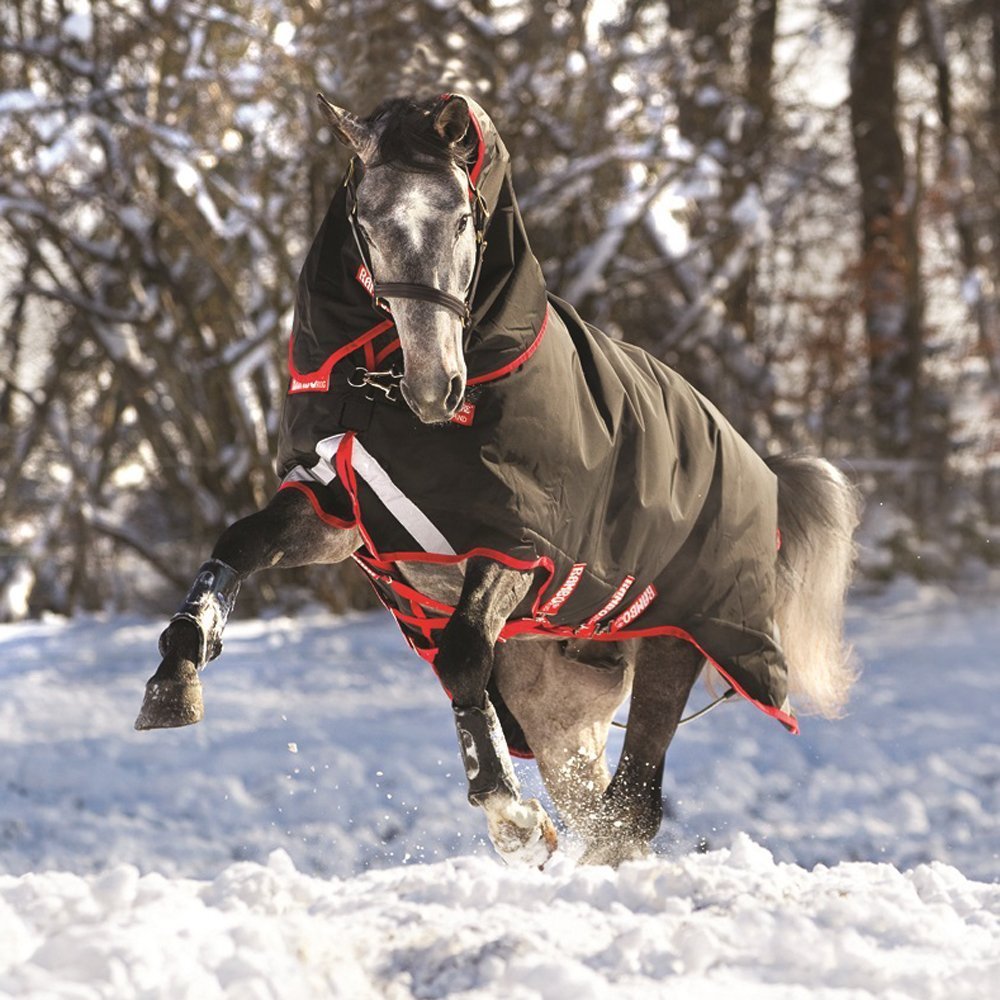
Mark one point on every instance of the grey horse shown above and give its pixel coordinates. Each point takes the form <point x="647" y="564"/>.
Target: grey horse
<point x="507" y="579"/>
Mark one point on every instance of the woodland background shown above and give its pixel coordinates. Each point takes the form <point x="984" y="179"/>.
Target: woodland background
<point x="794" y="202"/>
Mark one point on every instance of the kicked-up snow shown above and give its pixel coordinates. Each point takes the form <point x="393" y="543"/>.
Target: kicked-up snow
<point x="311" y="837"/>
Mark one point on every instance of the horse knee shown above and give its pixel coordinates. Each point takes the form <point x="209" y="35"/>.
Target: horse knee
<point x="464" y="663"/>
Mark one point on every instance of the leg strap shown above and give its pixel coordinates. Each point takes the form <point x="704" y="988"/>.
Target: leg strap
<point x="484" y="754"/>
<point x="208" y="606"/>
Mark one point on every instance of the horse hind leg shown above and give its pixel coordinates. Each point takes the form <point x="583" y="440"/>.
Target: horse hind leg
<point x="631" y="808"/>
<point x="564" y="702"/>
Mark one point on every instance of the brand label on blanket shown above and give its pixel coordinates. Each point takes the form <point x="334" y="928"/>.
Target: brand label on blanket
<point x="635" y="609"/>
<point x="366" y="279"/>
<point x="616" y="598"/>
<point x="465" y="414"/>
<point x="321" y="384"/>
<point x="563" y="594"/>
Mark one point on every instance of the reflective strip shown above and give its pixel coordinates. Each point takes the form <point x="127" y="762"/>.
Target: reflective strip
<point x="409" y="515"/>
<point x="323" y="471"/>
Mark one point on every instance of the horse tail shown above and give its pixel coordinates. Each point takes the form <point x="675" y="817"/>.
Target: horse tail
<point x="818" y="511"/>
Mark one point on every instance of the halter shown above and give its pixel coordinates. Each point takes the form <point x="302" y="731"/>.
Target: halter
<point x="462" y="308"/>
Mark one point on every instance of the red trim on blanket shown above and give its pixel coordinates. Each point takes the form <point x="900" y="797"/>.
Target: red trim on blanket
<point x="416" y="597"/>
<point x="518" y="361"/>
<point x="319" y="380"/>
<point x="307" y="491"/>
<point x="389" y="349"/>
<point x="481" y="147"/>
<point x="788" y="721"/>
<point x="480" y="150"/>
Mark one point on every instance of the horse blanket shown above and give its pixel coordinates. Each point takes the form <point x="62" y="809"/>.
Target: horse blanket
<point x="637" y="506"/>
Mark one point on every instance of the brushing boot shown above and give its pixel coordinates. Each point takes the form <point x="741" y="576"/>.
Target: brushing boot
<point x="193" y="638"/>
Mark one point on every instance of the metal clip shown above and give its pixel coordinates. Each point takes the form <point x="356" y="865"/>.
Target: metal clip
<point x="386" y="382"/>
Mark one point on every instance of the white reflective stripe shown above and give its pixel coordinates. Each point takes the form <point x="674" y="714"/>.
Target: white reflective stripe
<point x="298" y="475"/>
<point x="409" y="515"/>
<point x="324" y="471"/>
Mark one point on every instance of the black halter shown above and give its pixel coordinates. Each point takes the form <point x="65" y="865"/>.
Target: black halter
<point x="410" y="290"/>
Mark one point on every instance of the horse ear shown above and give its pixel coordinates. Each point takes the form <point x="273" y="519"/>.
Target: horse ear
<point x="452" y="120"/>
<point x="347" y="128"/>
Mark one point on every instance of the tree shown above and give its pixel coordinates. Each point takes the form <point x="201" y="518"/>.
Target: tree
<point x="890" y="267"/>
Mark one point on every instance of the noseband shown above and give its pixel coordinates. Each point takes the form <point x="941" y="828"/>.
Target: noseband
<point x="462" y="308"/>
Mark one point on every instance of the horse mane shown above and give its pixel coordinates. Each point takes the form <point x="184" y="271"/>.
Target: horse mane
<point x="407" y="137"/>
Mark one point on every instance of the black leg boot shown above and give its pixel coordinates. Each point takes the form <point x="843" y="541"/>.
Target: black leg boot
<point x="484" y="754"/>
<point x="193" y="638"/>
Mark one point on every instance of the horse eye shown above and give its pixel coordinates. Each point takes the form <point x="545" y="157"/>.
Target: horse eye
<point x="462" y="223"/>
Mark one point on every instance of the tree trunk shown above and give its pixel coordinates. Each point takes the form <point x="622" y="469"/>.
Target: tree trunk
<point x="889" y="266"/>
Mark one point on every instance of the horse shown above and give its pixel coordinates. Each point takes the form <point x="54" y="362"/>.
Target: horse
<point x="557" y="521"/>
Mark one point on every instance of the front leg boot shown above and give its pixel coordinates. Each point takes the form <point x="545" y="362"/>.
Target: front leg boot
<point x="194" y="637"/>
<point x="522" y="832"/>
<point x="484" y="754"/>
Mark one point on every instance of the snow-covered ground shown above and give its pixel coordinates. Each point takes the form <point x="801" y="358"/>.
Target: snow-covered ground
<point x="311" y="837"/>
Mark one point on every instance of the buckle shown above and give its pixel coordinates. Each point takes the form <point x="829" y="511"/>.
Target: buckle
<point x="386" y="382"/>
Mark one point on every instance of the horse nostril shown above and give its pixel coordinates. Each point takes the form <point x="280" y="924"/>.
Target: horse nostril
<point x="456" y="389"/>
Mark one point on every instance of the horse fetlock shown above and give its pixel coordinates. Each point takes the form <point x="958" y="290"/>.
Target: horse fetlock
<point x="172" y="698"/>
<point x="522" y="832"/>
<point x="193" y="637"/>
<point x="207" y="607"/>
<point x="485" y="757"/>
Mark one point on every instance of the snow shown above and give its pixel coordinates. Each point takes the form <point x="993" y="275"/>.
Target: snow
<point x="311" y="836"/>
<point x="21" y="101"/>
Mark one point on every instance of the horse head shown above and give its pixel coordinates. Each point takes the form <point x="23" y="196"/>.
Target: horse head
<point x="414" y="219"/>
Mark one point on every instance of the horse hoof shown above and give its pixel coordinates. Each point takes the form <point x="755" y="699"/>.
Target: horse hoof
<point x="614" y="852"/>
<point x="523" y="834"/>
<point x="171" y="702"/>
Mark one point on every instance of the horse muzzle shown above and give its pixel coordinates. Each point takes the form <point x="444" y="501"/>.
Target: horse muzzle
<point x="439" y="404"/>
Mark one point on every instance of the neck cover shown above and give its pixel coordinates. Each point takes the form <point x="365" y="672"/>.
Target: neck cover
<point x="638" y="507"/>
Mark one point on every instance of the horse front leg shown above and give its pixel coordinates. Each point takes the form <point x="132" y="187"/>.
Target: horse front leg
<point x="631" y="809"/>
<point x="521" y="832"/>
<point x="286" y="533"/>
